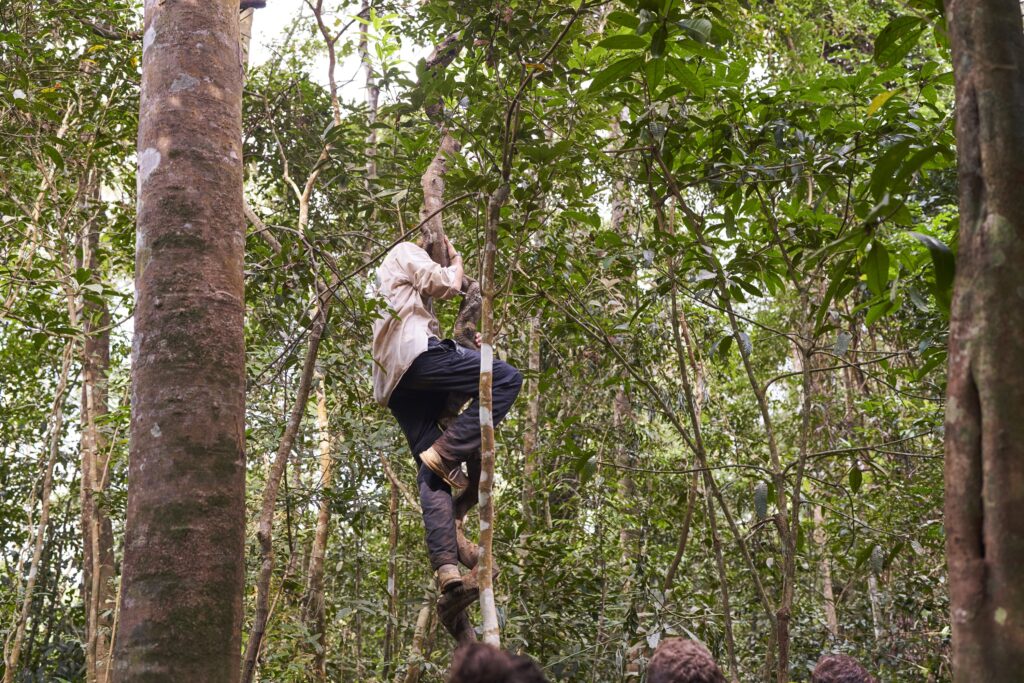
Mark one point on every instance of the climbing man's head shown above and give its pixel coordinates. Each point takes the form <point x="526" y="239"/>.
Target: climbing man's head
<point x="840" y="669"/>
<point x="678" y="660"/>
<point x="479" y="663"/>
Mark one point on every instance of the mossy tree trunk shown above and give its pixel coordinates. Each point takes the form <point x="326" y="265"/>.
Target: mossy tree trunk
<point x="181" y="603"/>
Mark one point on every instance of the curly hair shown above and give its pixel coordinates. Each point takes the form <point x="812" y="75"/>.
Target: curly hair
<point x="679" y="660"/>
<point x="480" y="663"/>
<point x="840" y="669"/>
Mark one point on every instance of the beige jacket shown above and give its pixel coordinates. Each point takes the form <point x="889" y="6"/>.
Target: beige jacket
<point x="407" y="280"/>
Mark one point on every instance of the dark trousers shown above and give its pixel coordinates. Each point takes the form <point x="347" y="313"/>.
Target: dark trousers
<point x="417" y="404"/>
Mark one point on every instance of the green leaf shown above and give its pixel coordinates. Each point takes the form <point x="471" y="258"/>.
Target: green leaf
<point x="856" y="478"/>
<point x="876" y="267"/>
<point x="897" y="39"/>
<point x="722" y="347"/>
<point x="610" y="74"/>
<point x="684" y="75"/>
<point x="658" y="41"/>
<point x="698" y="29"/>
<point x="878" y="310"/>
<point x="620" y="18"/>
<point x="944" y="264"/>
<point x="55" y="157"/>
<point x="625" y="41"/>
<point x="655" y="72"/>
<point x="885" y="168"/>
<point x="915" y="162"/>
<point x="862" y="556"/>
<point x="839" y="275"/>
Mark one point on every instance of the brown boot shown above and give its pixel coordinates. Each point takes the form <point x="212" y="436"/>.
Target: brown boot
<point x="448" y="577"/>
<point x="448" y="469"/>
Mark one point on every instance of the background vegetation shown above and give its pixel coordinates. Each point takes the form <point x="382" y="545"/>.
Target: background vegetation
<point x="724" y="267"/>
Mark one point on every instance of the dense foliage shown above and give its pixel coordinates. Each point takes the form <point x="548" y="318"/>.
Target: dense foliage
<point x="729" y="235"/>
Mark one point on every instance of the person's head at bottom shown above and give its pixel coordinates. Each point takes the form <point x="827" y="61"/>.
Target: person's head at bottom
<point x="679" y="660"/>
<point x="480" y="663"/>
<point x="840" y="669"/>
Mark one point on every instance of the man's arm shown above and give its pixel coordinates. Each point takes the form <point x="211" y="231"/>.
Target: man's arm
<point x="428" y="277"/>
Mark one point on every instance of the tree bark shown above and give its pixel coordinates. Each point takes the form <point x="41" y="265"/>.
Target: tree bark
<point x="827" y="592"/>
<point x="391" y="631"/>
<point x="984" y="431"/>
<point x="97" y="532"/>
<point x="372" y="96"/>
<point x="622" y="420"/>
<point x="314" y="602"/>
<point x="876" y="609"/>
<point x="684" y="535"/>
<point x="723" y="581"/>
<point x="184" y="563"/>
<point x="488" y="610"/>
<point x="532" y="431"/>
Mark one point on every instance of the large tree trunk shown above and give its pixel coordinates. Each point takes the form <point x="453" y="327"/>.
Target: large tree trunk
<point x="181" y="608"/>
<point x="984" y="429"/>
<point x="97" y="532"/>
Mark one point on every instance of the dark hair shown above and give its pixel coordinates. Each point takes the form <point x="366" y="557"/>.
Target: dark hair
<point x="840" y="669"/>
<point x="480" y="663"/>
<point x="678" y="660"/>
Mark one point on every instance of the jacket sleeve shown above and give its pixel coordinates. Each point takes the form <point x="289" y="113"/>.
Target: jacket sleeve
<point x="428" y="277"/>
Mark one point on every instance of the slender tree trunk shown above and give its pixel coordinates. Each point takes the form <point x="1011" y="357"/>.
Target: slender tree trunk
<point x="827" y="592"/>
<point x="723" y="581"/>
<point x="622" y="418"/>
<point x="984" y="430"/>
<point x="372" y="96"/>
<point x="488" y="610"/>
<point x="426" y="621"/>
<point x="97" y="532"/>
<point x="684" y="535"/>
<point x="532" y="431"/>
<point x="184" y="566"/>
<point x="16" y="639"/>
<point x="391" y="632"/>
<point x="314" y="607"/>
<point x="358" y="617"/>
<point x="876" y="608"/>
